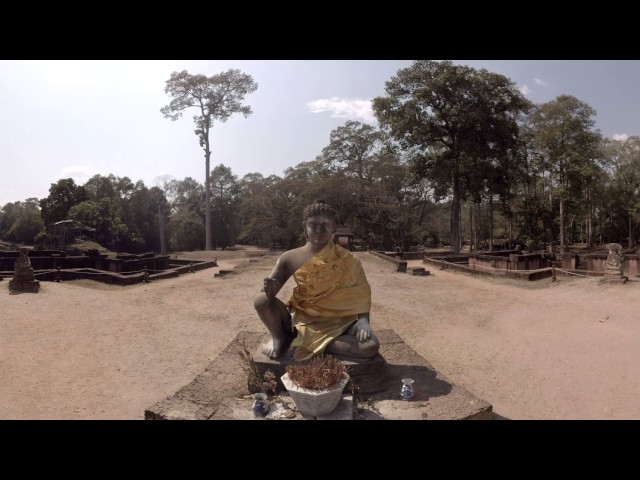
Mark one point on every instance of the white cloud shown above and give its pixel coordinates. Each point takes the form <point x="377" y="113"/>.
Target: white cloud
<point x="540" y="82"/>
<point x="80" y="174"/>
<point x="525" y="90"/>
<point x="353" y="109"/>
<point x="621" y="137"/>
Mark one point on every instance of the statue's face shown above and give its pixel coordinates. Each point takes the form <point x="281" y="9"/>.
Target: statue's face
<point x="319" y="229"/>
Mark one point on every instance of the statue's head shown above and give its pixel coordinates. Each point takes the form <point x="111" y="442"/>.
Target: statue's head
<point x="319" y="207"/>
<point x="319" y="222"/>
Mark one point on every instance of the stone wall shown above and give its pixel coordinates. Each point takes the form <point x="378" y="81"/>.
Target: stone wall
<point x="512" y="261"/>
<point x="400" y="265"/>
<point x="597" y="263"/>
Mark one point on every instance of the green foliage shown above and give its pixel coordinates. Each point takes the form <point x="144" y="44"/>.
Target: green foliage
<point x="185" y="231"/>
<point x="566" y="146"/>
<point x="27" y="225"/>
<point x="62" y="196"/>
<point x="458" y="125"/>
<point x="224" y="198"/>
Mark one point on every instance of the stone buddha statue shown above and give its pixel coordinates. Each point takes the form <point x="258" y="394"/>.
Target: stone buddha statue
<point x="328" y="310"/>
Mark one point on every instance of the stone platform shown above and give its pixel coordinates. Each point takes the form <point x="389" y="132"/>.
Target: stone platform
<point x="221" y="392"/>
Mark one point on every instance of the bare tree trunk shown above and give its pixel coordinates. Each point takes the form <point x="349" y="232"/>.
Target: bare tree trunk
<point x="471" y="227"/>
<point x="455" y="217"/>
<point x="491" y="220"/>
<point x="561" y="225"/>
<point x="551" y="225"/>
<point x="163" y="238"/>
<point x="478" y="228"/>
<point x="589" y="218"/>
<point x="207" y="199"/>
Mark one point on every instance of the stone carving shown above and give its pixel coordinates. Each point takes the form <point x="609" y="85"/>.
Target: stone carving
<point x="23" y="278"/>
<point x="614" y="265"/>
<point x="328" y="310"/>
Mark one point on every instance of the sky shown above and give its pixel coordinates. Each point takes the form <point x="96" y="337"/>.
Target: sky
<point x="74" y="119"/>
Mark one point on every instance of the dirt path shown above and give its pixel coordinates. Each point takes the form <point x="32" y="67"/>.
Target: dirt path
<point x="540" y="350"/>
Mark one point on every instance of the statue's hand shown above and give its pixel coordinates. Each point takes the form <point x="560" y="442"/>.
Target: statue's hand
<point x="270" y="287"/>
<point x="362" y="329"/>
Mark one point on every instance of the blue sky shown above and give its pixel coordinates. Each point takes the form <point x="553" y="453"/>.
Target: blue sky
<point x="61" y="119"/>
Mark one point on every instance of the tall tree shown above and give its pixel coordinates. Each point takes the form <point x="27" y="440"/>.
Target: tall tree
<point x="623" y="161"/>
<point x="565" y="138"/>
<point x="216" y="98"/>
<point x="224" y="198"/>
<point x="451" y="119"/>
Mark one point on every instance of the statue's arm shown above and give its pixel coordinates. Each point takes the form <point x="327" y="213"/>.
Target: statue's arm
<point x="277" y="278"/>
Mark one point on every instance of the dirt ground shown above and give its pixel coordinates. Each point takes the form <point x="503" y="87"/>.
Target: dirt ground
<point x="568" y="349"/>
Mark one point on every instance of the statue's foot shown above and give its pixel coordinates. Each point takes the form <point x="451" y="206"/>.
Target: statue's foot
<point x="276" y="347"/>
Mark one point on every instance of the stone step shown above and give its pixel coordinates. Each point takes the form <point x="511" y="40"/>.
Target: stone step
<point x="418" y="271"/>
<point x="222" y="272"/>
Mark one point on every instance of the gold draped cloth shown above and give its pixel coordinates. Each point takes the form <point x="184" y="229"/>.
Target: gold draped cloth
<point x="331" y="290"/>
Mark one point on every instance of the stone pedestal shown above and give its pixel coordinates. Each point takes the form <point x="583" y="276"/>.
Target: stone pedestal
<point x="613" y="274"/>
<point x="220" y="392"/>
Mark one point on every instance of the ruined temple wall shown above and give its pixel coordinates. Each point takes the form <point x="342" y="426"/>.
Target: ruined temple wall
<point x="529" y="261"/>
<point x="597" y="263"/>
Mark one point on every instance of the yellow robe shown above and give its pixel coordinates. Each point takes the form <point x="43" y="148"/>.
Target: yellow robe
<point x="331" y="290"/>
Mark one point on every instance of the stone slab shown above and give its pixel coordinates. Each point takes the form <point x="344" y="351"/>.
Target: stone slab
<point x="221" y="392"/>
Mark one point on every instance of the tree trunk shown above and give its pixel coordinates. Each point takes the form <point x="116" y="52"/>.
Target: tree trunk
<point x="478" y="228"/>
<point x="455" y="217"/>
<point x="471" y="227"/>
<point x="589" y="219"/>
<point x="561" y="225"/>
<point x="550" y="233"/>
<point x="207" y="199"/>
<point x="163" y="239"/>
<point x="491" y="221"/>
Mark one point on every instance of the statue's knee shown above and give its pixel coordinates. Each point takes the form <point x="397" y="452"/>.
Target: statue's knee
<point x="260" y="302"/>
<point x="350" y="346"/>
<point x="371" y="347"/>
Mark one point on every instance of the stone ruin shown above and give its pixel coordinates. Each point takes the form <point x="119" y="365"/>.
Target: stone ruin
<point x="614" y="266"/>
<point x="23" y="278"/>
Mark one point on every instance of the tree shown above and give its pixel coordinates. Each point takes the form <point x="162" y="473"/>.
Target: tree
<point x="23" y="222"/>
<point x="62" y="196"/>
<point x="567" y="144"/>
<point x="9" y="213"/>
<point x="225" y="200"/>
<point x="623" y="161"/>
<point x="217" y="98"/>
<point x="103" y="215"/>
<point x="185" y="231"/>
<point x="452" y="120"/>
<point x="258" y="226"/>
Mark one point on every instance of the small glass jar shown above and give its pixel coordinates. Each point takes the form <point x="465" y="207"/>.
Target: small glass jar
<point x="407" y="388"/>
<point x="260" y="407"/>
